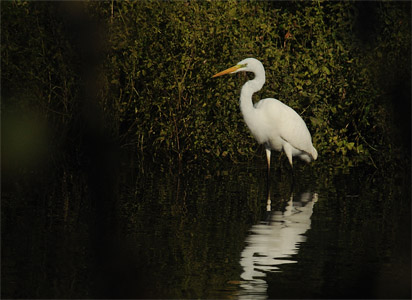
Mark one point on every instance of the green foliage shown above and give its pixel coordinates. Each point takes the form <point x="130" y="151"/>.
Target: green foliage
<point x="312" y="61"/>
<point x="163" y="101"/>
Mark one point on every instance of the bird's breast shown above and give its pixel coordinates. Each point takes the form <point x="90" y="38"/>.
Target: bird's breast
<point x="264" y="130"/>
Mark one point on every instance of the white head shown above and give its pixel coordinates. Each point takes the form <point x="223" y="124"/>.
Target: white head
<point x="246" y="65"/>
<point x="250" y="65"/>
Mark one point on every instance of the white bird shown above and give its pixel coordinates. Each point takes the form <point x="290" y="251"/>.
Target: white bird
<point x="271" y="122"/>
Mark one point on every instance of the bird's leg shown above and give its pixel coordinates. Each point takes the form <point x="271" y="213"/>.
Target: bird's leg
<point x="268" y="152"/>
<point x="293" y="175"/>
<point x="288" y="151"/>
<point x="268" y="203"/>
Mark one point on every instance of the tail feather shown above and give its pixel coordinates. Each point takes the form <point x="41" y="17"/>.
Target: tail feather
<point x="314" y="153"/>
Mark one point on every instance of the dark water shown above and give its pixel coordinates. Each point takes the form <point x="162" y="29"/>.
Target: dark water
<point x="154" y="233"/>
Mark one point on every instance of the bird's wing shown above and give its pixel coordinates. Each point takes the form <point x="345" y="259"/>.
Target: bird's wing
<point x="287" y="123"/>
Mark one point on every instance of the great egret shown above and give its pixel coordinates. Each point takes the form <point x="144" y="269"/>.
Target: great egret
<point x="271" y="122"/>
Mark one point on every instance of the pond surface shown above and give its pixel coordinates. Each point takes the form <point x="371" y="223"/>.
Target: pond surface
<point x="217" y="233"/>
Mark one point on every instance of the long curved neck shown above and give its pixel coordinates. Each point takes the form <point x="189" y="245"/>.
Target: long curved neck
<point x="248" y="89"/>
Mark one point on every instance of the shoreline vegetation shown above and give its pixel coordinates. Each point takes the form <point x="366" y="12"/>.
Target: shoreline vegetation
<point x="79" y="77"/>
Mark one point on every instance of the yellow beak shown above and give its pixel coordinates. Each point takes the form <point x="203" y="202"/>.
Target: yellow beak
<point x="227" y="71"/>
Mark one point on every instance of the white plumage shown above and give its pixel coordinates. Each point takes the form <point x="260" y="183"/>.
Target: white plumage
<point x="271" y="122"/>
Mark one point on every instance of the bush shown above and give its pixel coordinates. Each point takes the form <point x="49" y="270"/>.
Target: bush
<point x="159" y="94"/>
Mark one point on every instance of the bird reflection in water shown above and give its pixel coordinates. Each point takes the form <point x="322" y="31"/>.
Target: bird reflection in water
<point x="272" y="243"/>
